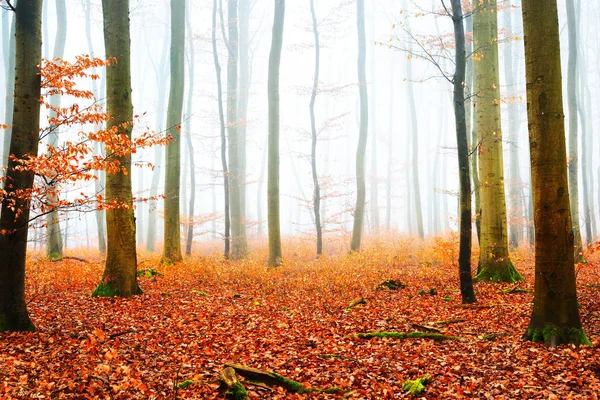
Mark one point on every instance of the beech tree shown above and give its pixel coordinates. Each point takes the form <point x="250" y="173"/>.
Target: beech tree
<point x="14" y="217"/>
<point x="120" y="270"/>
<point x="172" y="231"/>
<point x="494" y="260"/>
<point x="359" y="210"/>
<point x="274" y="225"/>
<point x="555" y="317"/>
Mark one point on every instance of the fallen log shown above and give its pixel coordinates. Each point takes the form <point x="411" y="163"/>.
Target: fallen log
<point x="235" y="388"/>
<point x="405" y="335"/>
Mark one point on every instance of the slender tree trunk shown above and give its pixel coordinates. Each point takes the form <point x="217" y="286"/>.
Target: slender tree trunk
<point x="275" y="254"/>
<point x="259" y="190"/>
<point x="313" y="127"/>
<point x="573" y="159"/>
<point x="244" y="97"/>
<point x="120" y="272"/>
<point x="374" y="175"/>
<point x="494" y="261"/>
<point x="14" y="220"/>
<point x="359" y="210"/>
<point x="226" y="185"/>
<point x="409" y="213"/>
<point x="555" y="318"/>
<point x="188" y="136"/>
<point x="54" y="240"/>
<point x="239" y="246"/>
<point x="9" y="98"/>
<point x="464" y="255"/>
<point x="390" y="145"/>
<point x="172" y="229"/>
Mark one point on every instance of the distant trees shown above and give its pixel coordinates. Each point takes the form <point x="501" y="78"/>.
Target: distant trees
<point x="274" y="225"/>
<point x="120" y="273"/>
<point x="555" y="318"/>
<point x="359" y="210"/>
<point x="172" y="230"/>
<point x="14" y="217"/>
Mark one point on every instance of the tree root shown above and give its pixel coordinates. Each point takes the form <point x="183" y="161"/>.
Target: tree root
<point x="235" y="388"/>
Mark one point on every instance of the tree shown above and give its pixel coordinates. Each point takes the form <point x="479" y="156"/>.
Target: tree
<point x="494" y="260"/>
<point x="555" y="317"/>
<point x="172" y="231"/>
<point x="275" y="254"/>
<point x="464" y="255"/>
<point x="54" y="242"/>
<point x="313" y="127"/>
<point x="14" y="217"/>
<point x="120" y="271"/>
<point x="188" y="136"/>
<point x="9" y="52"/>
<point x="222" y="129"/>
<point x="359" y="210"/>
<point x="239" y="246"/>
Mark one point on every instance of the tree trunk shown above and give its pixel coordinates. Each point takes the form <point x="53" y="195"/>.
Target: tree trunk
<point x="223" y="136"/>
<point x="374" y="206"/>
<point x="494" y="261"/>
<point x="275" y="254"/>
<point x="243" y="99"/>
<point x="172" y="229"/>
<point x="54" y="240"/>
<point x="464" y="255"/>
<point x="390" y="145"/>
<point x="573" y="159"/>
<point x="120" y="273"/>
<point x="14" y="220"/>
<point x="188" y="136"/>
<point x="555" y="317"/>
<point x="259" y="189"/>
<point x="359" y="210"/>
<point x="313" y="127"/>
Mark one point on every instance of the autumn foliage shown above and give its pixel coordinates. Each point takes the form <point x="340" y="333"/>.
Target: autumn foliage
<point x="295" y="320"/>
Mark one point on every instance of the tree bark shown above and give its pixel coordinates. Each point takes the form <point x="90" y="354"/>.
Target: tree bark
<point x="275" y="254"/>
<point x="244" y="97"/>
<point x="313" y="128"/>
<point x="188" y="136"/>
<point x="359" y="210"/>
<point x="9" y="101"/>
<point x="464" y="255"/>
<point x="223" y="136"/>
<point x="172" y="229"/>
<point x="120" y="271"/>
<point x="494" y="261"/>
<point x="14" y="220"/>
<point x="555" y="317"/>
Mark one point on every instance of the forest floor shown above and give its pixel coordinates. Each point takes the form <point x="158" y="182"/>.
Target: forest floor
<point x="173" y="341"/>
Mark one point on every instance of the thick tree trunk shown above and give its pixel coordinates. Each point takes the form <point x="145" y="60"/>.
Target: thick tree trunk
<point x="54" y="240"/>
<point x="172" y="229"/>
<point x="275" y="254"/>
<point x="120" y="273"/>
<point x="464" y="255"/>
<point x="494" y="261"/>
<point x="14" y="220"/>
<point x="555" y="317"/>
<point x="359" y="210"/>
<point x="222" y="129"/>
<point x="313" y="127"/>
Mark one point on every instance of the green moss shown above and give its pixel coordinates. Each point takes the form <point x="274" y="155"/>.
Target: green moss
<point x="237" y="392"/>
<point x="185" y="384"/>
<point x="500" y="272"/>
<point x="417" y="386"/>
<point x="105" y="289"/>
<point x="392" y="284"/>
<point x="554" y="335"/>
<point x="54" y="256"/>
<point x="148" y="273"/>
<point x="406" y="335"/>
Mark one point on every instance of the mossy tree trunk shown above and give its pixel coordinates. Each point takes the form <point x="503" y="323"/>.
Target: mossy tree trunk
<point x="120" y="271"/>
<point x="494" y="261"/>
<point x="275" y="254"/>
<point x="573" y="158"/>
<point x="464" y="254"/>
<point x="555" y="318"/>
<point x="172" y="229"/>
<point x="54" y="240"/>
<point x="359" y="209"/>
<point x="14" y="220"/>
